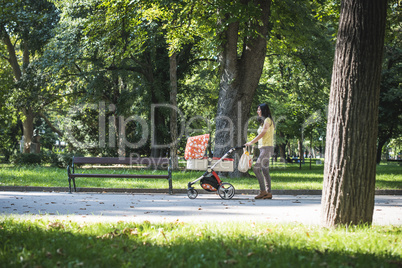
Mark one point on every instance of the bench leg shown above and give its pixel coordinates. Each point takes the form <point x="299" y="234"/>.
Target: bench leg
<point x="69" y="184"/>
<point x="75" y="188"/>
<point x="170" y="176"/>
<point x="170" y="186"/>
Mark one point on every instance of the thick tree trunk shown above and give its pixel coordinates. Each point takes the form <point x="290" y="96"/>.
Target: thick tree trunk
<point x="350" y="166"/>
<point x="239" y="80"/>
<point x="173" y="114"/>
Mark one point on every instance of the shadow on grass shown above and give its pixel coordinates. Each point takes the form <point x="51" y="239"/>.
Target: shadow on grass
<point x="67" y="244"/>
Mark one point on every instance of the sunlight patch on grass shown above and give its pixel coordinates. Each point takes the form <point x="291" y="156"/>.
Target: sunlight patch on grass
<point x="283" y="178"/>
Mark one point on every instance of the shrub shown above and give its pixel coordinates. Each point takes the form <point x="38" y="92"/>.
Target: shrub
<point x="61" y="160"/>
<point x="26" y="159"/>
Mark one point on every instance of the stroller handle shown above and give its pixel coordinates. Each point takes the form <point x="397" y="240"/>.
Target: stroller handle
<point x="239" y="147"/>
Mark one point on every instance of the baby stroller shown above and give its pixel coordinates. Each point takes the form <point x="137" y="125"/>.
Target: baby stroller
<point x="209" y="181"/>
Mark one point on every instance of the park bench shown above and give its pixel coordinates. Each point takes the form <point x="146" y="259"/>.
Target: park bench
<point x="395" y="160"/>
<point x="160" y="162"/>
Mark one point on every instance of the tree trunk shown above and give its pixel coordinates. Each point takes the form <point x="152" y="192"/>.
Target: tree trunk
<point x="281" y="146"/>
<point x="12" y="56"/>
<point x="350" y="166"/>
<point x="301" y="153"/>
<point x="380" y="145"/>
<point x="239" y="80"/>
<point x="173" y="114"/>
<point x="27" y="126"/>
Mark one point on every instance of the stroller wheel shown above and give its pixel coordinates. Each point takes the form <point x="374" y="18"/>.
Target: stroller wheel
<point x="192" y="193"/>
<point x="226" y="190"/>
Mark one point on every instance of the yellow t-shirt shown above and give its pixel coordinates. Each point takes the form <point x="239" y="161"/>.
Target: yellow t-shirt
<point x="268" y="138"/>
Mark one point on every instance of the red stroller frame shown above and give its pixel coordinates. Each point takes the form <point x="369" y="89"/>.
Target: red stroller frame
<point x="210" y="180"/>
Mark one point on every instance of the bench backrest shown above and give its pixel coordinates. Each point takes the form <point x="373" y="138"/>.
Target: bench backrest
<point x="149" y="161"/>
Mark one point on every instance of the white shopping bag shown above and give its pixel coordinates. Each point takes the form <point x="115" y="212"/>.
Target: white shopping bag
<point x="246" y="161"/>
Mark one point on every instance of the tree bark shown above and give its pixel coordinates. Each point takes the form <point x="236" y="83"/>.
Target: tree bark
<point x="27" y="125"/>
<point x="173" y="114"/>
<point x="301" y="152"/>
<point x="12" y="56"/>
<point x="350" y="166"/>
<point x="282" y="147"/>
<point x="380" y="145"/>
<point x="239" y="80"/>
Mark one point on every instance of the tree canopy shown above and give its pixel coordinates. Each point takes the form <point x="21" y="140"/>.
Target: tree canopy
<point x="96" y="74"/>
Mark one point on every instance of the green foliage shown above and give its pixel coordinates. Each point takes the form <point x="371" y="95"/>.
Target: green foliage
<point x="297" y="71"/>
<point x="55" y="159"/>
<point x="26" y="159"/>
<point x="60" y="160"/>
<point x="29" y="20"/>
<point x="117" y="52"/>
<point x="9" y="126"/>
<point x="390" y="107"/>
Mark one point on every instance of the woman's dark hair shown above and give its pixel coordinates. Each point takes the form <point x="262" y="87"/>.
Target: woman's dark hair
<point x="265" y="113"/>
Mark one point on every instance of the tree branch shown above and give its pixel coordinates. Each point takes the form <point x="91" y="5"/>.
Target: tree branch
<point x="55" y="129"/>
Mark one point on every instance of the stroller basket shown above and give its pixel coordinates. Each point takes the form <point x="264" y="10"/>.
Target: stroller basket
<point x="226" y="165"/>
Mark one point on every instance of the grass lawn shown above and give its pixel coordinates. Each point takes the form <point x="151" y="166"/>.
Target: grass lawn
<point x="284" y="177"/>
<point x="29" y="242"/>
<point x="44" y="243"/>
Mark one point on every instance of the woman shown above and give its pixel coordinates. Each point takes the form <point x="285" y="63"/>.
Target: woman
<point x="265" y="139"/>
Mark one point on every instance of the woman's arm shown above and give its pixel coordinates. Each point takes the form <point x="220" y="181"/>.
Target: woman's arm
<point x="259" y="136"/>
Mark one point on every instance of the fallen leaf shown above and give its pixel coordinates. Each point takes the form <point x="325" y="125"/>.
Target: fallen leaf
<point x="60" y="252"/>
<point x="230" y="261"/>
<point x="55" y="225"/>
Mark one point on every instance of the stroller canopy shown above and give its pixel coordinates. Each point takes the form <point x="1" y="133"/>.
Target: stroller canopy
<point x="196" y="147"/>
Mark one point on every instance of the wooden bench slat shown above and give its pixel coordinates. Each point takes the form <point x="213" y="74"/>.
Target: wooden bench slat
<point x="119" y="176"/>
<point x="122" y="161"/>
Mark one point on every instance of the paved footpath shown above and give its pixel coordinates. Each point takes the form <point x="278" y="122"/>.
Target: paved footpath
<point x="112" y="207"/>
